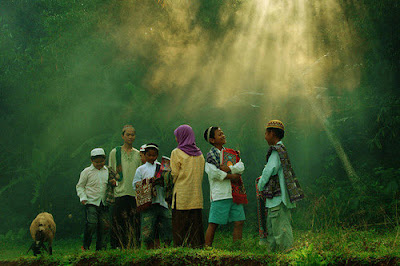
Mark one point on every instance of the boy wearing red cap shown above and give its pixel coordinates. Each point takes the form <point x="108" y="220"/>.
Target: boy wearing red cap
<point x="280" y="187"/>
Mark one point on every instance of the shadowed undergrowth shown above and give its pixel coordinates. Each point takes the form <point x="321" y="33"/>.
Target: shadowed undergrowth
<point x="329" y="247"/>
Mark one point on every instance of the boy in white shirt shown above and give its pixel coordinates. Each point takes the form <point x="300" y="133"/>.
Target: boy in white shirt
<point x="91" y="190"/>
<point x="223" y="209"/>
<point x="157" y="218"/>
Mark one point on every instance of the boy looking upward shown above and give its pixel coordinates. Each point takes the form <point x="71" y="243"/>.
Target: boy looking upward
<point x="281" y="188"/>
<point x="224" y="207"/>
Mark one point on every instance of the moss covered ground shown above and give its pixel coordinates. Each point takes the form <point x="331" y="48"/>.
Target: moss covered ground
<point x="334" y="247"/>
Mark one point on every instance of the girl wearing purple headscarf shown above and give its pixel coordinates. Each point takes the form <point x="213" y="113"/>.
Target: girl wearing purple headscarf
<point x="187" y="168"/>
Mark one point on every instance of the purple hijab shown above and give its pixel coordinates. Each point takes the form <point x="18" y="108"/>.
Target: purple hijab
<point x="186" y="140"/>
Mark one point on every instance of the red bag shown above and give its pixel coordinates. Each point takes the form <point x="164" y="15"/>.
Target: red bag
<point x="230" y="157"/>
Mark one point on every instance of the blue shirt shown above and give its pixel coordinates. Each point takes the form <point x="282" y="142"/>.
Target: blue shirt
<point x="272" y="168"/>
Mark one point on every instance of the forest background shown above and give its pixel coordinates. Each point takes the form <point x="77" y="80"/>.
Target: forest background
<point x="72" y="73"/>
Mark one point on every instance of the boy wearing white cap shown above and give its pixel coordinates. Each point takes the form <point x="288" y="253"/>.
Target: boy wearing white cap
<point x="91" y="190"/>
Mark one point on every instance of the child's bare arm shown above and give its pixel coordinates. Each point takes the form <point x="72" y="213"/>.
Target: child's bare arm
<point x="233" y="177"/>
<point x="225" y="168"/>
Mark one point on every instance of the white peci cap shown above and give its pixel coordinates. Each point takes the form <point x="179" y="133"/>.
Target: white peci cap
<point x="97" y="151"/>
<point x="143" y="148"/>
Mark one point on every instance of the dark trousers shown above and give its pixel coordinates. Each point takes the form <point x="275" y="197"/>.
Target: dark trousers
<point x="125" y="231"/>
<point x="187" y="228"/>
<point x="96" y="218"/>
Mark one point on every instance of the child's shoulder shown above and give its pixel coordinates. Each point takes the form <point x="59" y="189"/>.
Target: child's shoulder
<point x="279" y="147"/>
<point x="213" y="149"/>
<point x="87" y="169"/>
<point x="141" y="167"/>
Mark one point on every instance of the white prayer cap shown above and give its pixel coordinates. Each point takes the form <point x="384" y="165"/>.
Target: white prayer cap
<point x="97" y="151"/>
<point x="143" y="148"/>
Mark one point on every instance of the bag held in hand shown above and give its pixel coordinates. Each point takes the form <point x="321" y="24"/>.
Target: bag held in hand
<point x="230" y="157"/>
<point x="144" y="194"/>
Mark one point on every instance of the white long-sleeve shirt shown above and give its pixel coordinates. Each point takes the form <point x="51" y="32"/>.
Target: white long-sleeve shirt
<point x="92" y="185"/>
<point x="148" y="170"/>
<point x="221" y="188"/>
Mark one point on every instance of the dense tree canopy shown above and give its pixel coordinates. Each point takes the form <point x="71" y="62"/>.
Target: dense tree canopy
<point x="73" y="72"/>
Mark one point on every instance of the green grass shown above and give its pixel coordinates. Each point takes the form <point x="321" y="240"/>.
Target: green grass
<point x="329" y="247"/>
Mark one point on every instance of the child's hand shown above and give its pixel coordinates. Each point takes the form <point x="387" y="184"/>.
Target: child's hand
<point x="235" y="177"/>
<point x="119" y="168"/>
<point x="225" y="168"/>
<point x="83" y="202"/>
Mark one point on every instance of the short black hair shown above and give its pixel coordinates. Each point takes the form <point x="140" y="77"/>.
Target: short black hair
<point x="212" y="133"/>
<point x="127" y="126"/>
<point x="279" y="133"/>
<point x="150" y="148"/>
<point x="97" y="156"/>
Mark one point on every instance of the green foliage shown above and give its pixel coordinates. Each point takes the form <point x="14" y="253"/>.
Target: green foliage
<point x="14" y="236"/>
<point x="329" y="247"/>
<point x="67" y="86"/>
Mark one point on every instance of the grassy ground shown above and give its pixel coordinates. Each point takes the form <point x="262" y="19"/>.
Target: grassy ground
<point x="329" y="247"/>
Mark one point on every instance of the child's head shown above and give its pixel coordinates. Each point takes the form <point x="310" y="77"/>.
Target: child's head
<point x="215" y="136"/>
<point x="151" y="152"/>
<point x="274" y="132"/>
<point x="98" y="158"/>
<point x="142" y="150"/>
<point x="128" y="134"/>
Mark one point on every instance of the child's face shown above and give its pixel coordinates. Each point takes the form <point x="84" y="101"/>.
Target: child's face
<point x="129" y="136"/>
<point x="151" y="156"/>
<point x="142" y="157"/>
<point x="219" y="137"/>
<point x="99" y="162"/>
<point x="269" y="136"/>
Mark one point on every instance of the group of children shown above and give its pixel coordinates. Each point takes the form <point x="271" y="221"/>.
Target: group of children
<point x="180" y="220"/>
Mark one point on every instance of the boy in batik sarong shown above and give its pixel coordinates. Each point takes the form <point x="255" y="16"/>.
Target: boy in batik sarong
<point x="227" y="192"/>
<point x="156" y="219"/>
<point x="281" y="188"/>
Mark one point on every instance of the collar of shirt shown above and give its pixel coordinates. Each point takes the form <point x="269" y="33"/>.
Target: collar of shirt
<point x="152" y="165"/>
<point x="94" y="168"/>
<point x="218" y="150"/>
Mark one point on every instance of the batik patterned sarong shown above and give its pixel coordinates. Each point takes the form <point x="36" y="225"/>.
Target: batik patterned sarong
<point x="262" y="211"/>
<point x="110" y="199"/>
